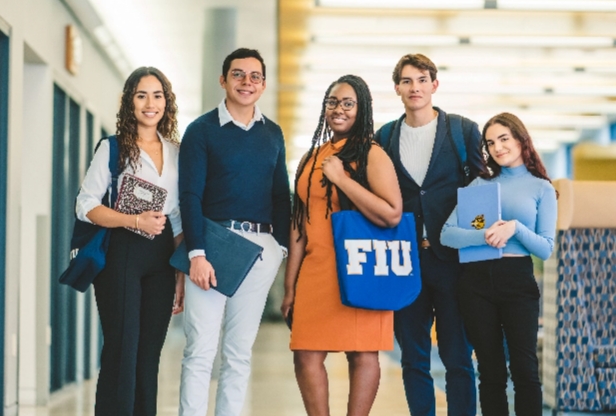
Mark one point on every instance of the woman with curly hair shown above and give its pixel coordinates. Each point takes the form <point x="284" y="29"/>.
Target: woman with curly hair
<point x="342" y="156"/>
<point x="500" y="297"/>
<point x="136" y="289"/>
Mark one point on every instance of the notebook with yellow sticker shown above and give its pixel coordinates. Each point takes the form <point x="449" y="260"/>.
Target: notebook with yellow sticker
<point x="478" y="208"/>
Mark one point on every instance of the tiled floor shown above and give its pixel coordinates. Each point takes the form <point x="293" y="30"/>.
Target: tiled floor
<point x="272" y="390"/>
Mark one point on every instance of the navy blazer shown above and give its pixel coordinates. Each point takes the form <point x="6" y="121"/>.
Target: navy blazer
<point x="433" y="202"/>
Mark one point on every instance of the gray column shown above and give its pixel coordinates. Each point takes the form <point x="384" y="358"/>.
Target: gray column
<point x="219" y="41"/>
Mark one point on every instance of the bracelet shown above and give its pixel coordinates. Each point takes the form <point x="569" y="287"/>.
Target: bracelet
<point x="137" y="221"/>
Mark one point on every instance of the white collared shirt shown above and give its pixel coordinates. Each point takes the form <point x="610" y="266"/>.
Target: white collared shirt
<point x="224" y="117"/>
<point x="98" y="180"/>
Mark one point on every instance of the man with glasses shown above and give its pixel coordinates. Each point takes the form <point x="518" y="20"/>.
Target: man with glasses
<point x="232" y="170"/>
<point x="425" y="152"/>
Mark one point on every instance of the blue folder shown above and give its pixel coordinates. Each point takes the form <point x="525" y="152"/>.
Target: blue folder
<point x="478" y="208"/>
<point x="231" y="255"/>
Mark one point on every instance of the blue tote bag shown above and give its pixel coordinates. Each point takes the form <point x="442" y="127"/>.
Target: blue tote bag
<point x="378" y="268"/>
<point x="89" y="242"/>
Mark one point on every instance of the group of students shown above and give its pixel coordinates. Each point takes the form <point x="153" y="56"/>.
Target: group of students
<point x="231" y="168"/>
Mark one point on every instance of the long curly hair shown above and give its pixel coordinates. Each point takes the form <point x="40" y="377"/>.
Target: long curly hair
<point x="531" y="158"/>
<point x="354" y="153"/>
<point x="126" y="122"/>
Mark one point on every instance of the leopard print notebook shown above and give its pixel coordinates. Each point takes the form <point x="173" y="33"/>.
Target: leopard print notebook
<point x="138" y="195"/>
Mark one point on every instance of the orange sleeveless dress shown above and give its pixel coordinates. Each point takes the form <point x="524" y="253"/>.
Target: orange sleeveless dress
<point x="320" y="321"/>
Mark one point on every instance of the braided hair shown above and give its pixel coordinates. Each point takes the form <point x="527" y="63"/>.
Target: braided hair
<point x="354" y="152"/>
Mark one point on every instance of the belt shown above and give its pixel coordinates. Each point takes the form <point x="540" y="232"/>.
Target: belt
<point x="424" y="243"/>
<point x="252" y="227"/>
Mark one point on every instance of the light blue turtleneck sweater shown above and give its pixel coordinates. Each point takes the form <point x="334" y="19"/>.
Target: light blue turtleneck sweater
<point x="528" y="200"/>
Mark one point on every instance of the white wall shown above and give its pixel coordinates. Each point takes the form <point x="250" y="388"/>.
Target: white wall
<point x="39" y="24"/>
<point x="37" y="123"/>
<point x="37" y="30"/>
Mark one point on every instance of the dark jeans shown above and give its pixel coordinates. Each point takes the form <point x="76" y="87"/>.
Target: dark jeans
<point x="496" y="297"/>
<point x="134" y="295"/>
<point x="412" y="328"/>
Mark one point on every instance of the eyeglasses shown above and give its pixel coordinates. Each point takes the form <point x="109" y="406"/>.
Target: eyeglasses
<point x="255" y="77"/>
<point x="347" y="104"/>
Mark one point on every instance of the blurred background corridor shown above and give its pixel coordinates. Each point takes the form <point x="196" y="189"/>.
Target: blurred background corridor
<point x="62" y="68"/>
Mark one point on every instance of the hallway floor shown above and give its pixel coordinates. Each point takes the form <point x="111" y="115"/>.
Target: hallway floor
<point x="272" y="389"/>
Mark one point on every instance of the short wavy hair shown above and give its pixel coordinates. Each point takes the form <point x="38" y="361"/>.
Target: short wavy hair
<point x="418" y="61"/>
<point x="126" y="122"/>
<point x="241" y="53"/>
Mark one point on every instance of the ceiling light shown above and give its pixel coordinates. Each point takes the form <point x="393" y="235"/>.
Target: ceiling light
<point x="404" y="4"/>
<point x="390" y="40"/>
<point x="545" y="41"/>
<point x="559" y="5"/>
<point x="410" y="39"/>
<point x="537" y="121"/>
<point x="556" y="135"/>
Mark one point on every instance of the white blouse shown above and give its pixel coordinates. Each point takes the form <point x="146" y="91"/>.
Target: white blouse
<point x="98" y="181"/>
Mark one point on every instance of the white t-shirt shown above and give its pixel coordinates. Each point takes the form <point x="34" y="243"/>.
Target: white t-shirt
<point x="416" y="144"/>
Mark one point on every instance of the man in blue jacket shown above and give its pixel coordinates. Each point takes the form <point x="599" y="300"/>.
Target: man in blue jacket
<point x="232" y="170"/>
<point x="430" y="169"/>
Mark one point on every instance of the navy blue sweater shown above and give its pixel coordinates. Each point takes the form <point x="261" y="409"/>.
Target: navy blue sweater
<point x="227" y="173"/>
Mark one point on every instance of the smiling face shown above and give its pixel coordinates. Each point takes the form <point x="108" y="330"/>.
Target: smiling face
<point x="341" y="119"/>
<point x="243" y="91"/>
<point x="503" y="146"/>
<point x="416" y="88"/>
<point x="149" y="102"/>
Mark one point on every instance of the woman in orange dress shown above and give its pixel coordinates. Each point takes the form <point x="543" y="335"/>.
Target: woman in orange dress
<point x="342" y="155"/>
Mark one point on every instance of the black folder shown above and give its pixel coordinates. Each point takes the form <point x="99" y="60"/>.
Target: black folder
<point x="231" y="255"/>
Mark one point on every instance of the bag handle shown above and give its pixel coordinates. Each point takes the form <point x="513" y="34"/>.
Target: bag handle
<point x="345" y="202"/>
<point x="387" y="133"/>
<point x="114" y="155"/>
<point x="456" y="136"/>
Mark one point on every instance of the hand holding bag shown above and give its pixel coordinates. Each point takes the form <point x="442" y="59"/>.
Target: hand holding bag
<point x="231" y="255"/>
<point x="89" y="242"/>
<point x="378" y="268"/>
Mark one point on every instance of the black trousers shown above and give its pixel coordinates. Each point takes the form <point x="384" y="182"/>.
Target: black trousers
<point x="134" y="295"/>
<point x="501" y="297"/>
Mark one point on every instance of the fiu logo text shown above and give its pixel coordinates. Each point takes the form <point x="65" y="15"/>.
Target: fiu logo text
<point x="479" y="222"/>
<point x="400" y="255"/>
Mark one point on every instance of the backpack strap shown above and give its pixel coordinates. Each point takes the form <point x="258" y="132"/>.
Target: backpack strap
<point x="456" y="135"/>
<point x="387" y="132"/>
<point x="114" y="158"/>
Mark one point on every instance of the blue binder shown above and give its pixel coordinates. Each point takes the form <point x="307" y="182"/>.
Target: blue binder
<point x="478" y="208"/>
<point x="231" y="255"/>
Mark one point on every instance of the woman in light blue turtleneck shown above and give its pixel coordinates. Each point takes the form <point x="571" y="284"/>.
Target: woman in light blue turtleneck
<point x="501" y="297"/>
